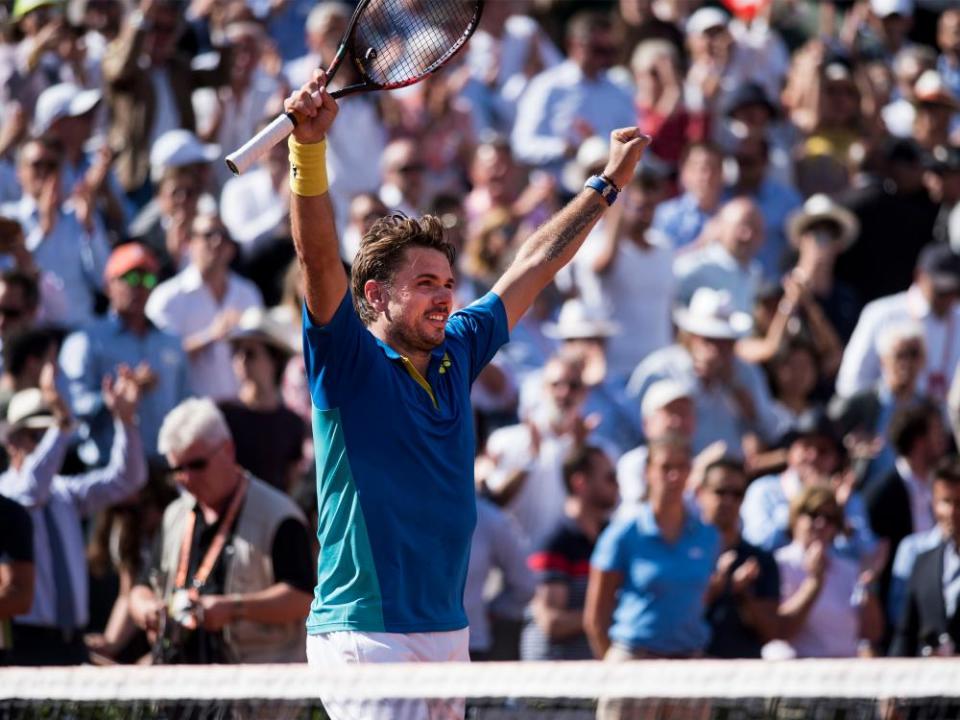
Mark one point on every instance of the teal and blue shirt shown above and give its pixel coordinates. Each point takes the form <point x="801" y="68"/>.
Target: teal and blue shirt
<point x="395" y="454"/>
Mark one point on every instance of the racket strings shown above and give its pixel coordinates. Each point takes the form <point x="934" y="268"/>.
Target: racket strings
<point x="410" y="38"/>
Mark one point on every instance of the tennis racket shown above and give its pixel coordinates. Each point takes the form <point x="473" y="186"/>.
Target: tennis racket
<point x="392" y="44"/>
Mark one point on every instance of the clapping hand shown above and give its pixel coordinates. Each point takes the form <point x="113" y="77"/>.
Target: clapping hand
<point x="121" y="395"/>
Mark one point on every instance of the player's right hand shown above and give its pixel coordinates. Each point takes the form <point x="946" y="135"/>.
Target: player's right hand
<point x="314" y="108"/>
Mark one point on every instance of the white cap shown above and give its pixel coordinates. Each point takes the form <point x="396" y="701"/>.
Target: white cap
<point x="28" y="410"/>
<point x="60" y="101"/>
<point x="883" y="8"/>
<point x="176" y="148"/>
<point x="578" y="321"/>
<point x="711" y="314"/>
<point x="592" y="152"/>
<point x="662" y="393"/>
<point x="706" y="18"/>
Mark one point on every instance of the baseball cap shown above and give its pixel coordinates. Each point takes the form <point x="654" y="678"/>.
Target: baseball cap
<point x="60" y="101"/>
<point x="127" y="257"/>
<point x="662" y="393"/>
<point x="27" y="410"/>
<point x="941" y="265"/>
<point x="706" y="19"/>
<point x="884" y="8"/>
<point x="176" y="148"/>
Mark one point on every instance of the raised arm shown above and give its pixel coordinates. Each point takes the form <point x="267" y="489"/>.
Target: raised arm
<point x="553" y="245"/>
<point x="311" y="212"/>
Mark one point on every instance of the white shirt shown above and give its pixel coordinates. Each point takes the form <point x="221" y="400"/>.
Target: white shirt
<point x="37" y="485"/>
<point x="354" y="146"/>
<point x="920" y="492"/>
<point x="538" y="506"/>
<point x="635" y="293"/>
<point x="167" y="115"/>
<point x="553" y="101"/>
<point x="860" y="368"/>
<point x="252" y="209"/>
<point x="510" y="52"/>
<point x="184" y="305"/>
<point x="832" y="626"/>
<point x="716" y="268"/>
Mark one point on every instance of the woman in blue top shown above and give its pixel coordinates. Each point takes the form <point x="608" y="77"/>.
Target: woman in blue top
<point x="649" y="572"/>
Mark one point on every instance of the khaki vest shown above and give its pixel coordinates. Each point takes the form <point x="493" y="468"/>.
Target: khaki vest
<point x="250" y="570"/>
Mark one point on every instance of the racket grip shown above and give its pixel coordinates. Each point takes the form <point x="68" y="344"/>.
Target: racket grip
<point x="241" y="160"/>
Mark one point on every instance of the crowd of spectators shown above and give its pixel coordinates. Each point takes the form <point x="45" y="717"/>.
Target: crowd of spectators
<point x="728" y="429"/>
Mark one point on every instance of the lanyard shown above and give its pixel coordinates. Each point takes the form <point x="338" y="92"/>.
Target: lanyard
<point x="216" y="547"/>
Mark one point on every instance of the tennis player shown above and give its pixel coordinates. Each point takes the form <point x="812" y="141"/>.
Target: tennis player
<point x="390" y="367"/>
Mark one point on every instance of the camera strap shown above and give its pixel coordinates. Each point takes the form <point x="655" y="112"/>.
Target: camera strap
<point x="216" y="546"/>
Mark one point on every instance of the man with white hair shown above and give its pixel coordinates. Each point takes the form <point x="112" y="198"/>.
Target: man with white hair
<point x="325" y="26"/>
<point x="930" y="301"/>
<point x="243" y="605"/>
<point x="864" y="417"/>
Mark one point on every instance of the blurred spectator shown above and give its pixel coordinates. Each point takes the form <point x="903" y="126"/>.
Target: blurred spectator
<point x="125" y="337"/>
<point x="231" y="114"/>
<point x="497" y="545"/>
<point x="585" y="334"/>
<point x="526" y="479"/>
<point x="928" y="622"/>
<point x="727" y="260"/>
<point x="731" y="397"/>
<point x="16" y="569"/>
<point x="640" y="22"/>
<point x="942" y="180"/>
<point x="119" y="546"/>
<point x="365" y="210"/>
<point x="936" y="106"/>
<point x="649" y="573"/>
<point x="326" y="24"/>
<point x="900" y="503"/>
<point x="404" y="188"/>
<point x="202" y="305"/>
<point x="775" y="200"/>
<point x="555" y="623"/>
<point x="683" y="218"/>
<point x="814" y="458"/>
<point x="948" y="42"/>
<point x="945" y="498"/>
<point x="65" y="113"/>
<point x="624" y="271"/>
<point x="148" y="85"/>
<point x="37" y="439"/>
<point x="896" y="221"/>
<point x="928" y="625"/>
<point x="250" y="609"/>
<point x="793" y="375"/>
<point x="19" y="303"/>
<point x="827" y="606"/>
<point x="565" y="105"/>
<point x="24" y="356"/>
<point x="885" y="33"/>
<point x="659" y="99"/>
<point x="748" y="112"/>
<point x="66" y="239"/>
<point x="255" y="206"/>
<point x="864" y="417"/>
<point x="505" y="51"/>
<point x="668" y="409"/>
<point x="909" y="64"/>
<point x="744" y="592"/>
<point x="931" y="304"/>
<point x="268" y="435"/>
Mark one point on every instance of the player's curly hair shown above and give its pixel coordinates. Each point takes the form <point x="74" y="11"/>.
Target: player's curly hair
<point x="382" y="250"/>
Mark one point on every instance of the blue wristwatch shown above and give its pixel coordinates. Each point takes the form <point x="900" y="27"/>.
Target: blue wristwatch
<point x="608" y="191"/>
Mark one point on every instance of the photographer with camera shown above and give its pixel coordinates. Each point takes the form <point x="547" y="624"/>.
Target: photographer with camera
<point x="231" y="578"/>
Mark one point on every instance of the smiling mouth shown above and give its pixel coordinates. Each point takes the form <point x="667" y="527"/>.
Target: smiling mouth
<point x="437" y="318"/>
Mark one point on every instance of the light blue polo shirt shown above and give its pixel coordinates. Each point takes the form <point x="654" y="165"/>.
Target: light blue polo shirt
<point x="394" y="455"/>
<point x="660" y="606"/>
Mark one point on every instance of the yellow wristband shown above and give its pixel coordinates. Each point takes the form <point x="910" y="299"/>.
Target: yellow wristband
<point x="308" y="168"/>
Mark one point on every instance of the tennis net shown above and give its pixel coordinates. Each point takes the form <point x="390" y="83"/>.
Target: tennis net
<point x="887" y="689"/>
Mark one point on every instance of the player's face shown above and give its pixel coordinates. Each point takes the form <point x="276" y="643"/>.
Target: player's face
<point x="420" y="300"/>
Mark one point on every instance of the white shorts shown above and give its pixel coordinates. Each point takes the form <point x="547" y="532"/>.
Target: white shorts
<point x="338" y="648"/>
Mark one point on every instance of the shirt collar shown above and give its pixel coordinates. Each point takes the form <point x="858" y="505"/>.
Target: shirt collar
<point x="917" y="304"/>
<point x="392" y="354"/>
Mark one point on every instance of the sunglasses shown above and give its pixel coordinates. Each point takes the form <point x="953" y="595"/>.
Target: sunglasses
<point x="140" y="278"/>
<point x="190" y="466"/>
<point x="911" y="353"/>
<point x="44" y="166"/>
<point x="829" y="516"/>
<point x="412" y="168"/>
<point x="728" y="492"/>
<point x="11" y="313"/>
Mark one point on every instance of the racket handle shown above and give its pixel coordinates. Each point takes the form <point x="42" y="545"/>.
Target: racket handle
<point x="241" y="160"/>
